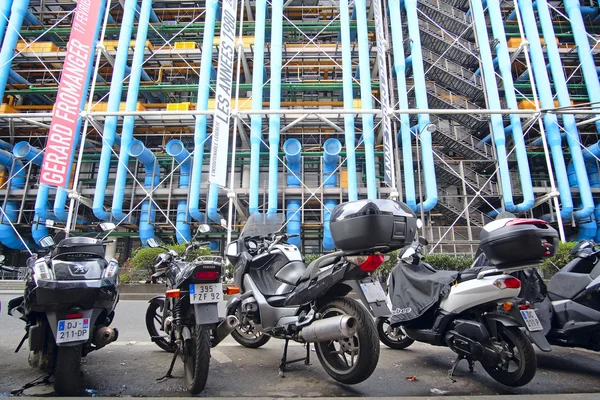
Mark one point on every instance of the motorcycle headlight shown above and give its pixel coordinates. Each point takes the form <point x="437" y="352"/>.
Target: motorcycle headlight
<point x="112" y="269"/>
<point x="41" y="271"/>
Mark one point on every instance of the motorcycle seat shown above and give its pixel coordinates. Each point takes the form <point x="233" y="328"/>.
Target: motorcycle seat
<point x="470" y="274"/>
<point x="313" y="267"/>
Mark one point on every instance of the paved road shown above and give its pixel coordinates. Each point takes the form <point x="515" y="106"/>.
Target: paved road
<point x="131" y="365"/>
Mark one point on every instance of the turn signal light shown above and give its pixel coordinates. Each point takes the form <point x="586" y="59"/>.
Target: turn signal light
<point x="173" y="293"/>
<point x="207" y="275"/>
<point x="232" y="290"/>
<point x="508" y="283"/>
<point x="507" y="305"/>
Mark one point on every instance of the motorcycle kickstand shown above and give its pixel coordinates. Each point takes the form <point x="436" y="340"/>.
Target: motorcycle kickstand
<point x="168" y="374"/>
<point x="471" y="364"/>
<point x="454" y="365"/>
<point x="33" y="383"/>
<point x="22" y="341"/>
<point x="285" y="362"/>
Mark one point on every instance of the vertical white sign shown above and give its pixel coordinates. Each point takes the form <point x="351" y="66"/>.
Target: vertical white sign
<point x="388" y="151"/>
<point x="220" y="138"/>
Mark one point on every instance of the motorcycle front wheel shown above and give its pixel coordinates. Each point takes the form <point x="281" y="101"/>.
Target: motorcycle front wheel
<point x="393" y="338"/>
<point x="66" y="372"/>
<point x="154" y="322"/>
<point x="196" y="360"/>
<point x="519" y="364"/>
<point x="350" y="360"/>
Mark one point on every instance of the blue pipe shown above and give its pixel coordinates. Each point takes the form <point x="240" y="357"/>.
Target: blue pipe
<point x="400" y="69"/>
<point x="292" y="149"/>
<point x="18" y="11"/>
<point x="331" y="151"/>
<point x="203" y="94"/>
<point x="421" y="103"/>
<point x="60" y="201"/>
<point x="31" y="20"/>
<point x="4" y="17"/>
<point x="176" y="149"/>
<point x="588" y="67"/>
<point x="366" y="96"/>
<point x="128" y="122"/>
<point x="589" y="12"/>
<point x="347" y="90"/>
<point x="257" y="99"/>
<point x="8" y="235"/>
<point x="504" y="65"/>
<point x="547" y="101"/>
<point x="478" y="71"/>
<point x="564" y="100"/>
<point x="275" y="99"/>
<point x="114" y="101"/>
<point x="151" y="180"/>
<point x="14" y="77"/>
<point x="27" y="152"/>
<point x="5" y="145"/>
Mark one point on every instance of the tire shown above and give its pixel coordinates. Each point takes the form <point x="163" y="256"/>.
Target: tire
<point x="362" y="348"/>
<point x="248" y="336"/>
<point x="389" y="337"/>
<point x="154" y="317"/>
<point x="66" y="373"/>
<point x="196" y="360"/>
<point x="519" y="369"/>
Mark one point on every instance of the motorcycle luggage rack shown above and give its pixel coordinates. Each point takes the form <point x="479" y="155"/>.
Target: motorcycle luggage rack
<point x="284" y="361"/>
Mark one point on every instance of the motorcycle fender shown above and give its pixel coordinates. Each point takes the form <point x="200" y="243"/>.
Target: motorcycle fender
<point x="377" y="309"/>
<point x="536" y="338"/>
<point x="157" y="299"/>
<point x="54" y="317"/>
<point x="539" y="339"/>
<point x="206" y="313"/>
<point x="37" y="332"/>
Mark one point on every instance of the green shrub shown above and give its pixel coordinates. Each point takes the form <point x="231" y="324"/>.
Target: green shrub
<point x="448" y="262"/>
<point x="144" y="257"/>
<point x="308" y="258"/>
<point x="125" y="278"/>
<point x="551" y="265"/>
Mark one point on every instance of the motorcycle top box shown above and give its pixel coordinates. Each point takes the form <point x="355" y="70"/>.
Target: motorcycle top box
<point x="374" y="225"/>
<point x="515" y="242"/>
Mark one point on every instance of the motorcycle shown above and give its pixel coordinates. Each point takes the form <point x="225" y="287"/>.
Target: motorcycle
<point x="68" y="305"/>
<point x="283" y="298"/>
<point x="186" y="320"/>
<point x="476" y="313"/>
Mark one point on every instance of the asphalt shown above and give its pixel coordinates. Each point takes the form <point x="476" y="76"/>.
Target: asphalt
<point x="131" y="366"/>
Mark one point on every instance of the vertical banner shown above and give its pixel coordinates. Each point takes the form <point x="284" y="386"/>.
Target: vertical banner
<point x="220" y="138"/>
<point x="72" y="89"/>
<point x="388" y="149"/>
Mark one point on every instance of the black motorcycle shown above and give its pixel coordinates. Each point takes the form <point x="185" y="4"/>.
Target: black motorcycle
<point x="69" y="302"/>
<point x="284" y="298"/>
<point x="186" y="320"/>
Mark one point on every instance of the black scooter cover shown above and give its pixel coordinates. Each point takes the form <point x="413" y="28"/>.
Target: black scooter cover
<point x="414" y="289"/>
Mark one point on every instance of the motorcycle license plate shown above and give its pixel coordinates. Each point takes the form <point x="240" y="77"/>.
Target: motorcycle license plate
<point x="373" y="291"/>
<point x="531" y="320"/>
<point x="73" y="330"/>
<point x="206" y="293"/>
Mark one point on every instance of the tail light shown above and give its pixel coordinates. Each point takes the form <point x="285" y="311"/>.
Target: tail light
<point x="540" y="223"/>
<point x="508" y="283"/>
<point x="367" y="263"/>
<point x="207" y="275"/>
<point x="73" y="316"/>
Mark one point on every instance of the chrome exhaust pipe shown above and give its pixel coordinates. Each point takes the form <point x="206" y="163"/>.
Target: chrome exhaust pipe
<point x="332" y="328"/>
<point x="104" y="336"/>
<point x="224" y="329"/>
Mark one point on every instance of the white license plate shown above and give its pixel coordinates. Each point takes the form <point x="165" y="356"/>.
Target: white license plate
<point x="531" y="320"/>
<point x="206" y="293"/>
<point x="73" y="330"/>
<point x="373" y="292"/>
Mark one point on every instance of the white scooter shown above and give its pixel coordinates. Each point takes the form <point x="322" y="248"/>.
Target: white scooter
<point x="475" y="313"/>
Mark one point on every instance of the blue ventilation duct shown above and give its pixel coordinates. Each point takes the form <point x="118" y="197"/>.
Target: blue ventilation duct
<point x="128" y="122"/>
<point x="331" y="151"/>
<point x="257" y="100"/>
<point x="292" y="149"/>
<point x="365" y="94"/>
<point x="4" y="16"/>
<point x="201" y="120"/>
<point x="547" y="101"/>
<point x="5" y="145"/>
<point x="405" y="135"/>
<point x="275" y="99"/>
<point x="176" y="150"/>
<point x="114" y="101"/>
<point x="152" y="179"/>
<point x="562" y="92"/>
<point x="421" y="103"/>
<point x="7" y="51"/>
<point x="504" y="65"/>
<point x="349" y="129"/>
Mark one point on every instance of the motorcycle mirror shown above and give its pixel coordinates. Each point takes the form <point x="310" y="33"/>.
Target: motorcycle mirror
<point x="152" y="242"/>
<point x="2" y="258"/>
<point x="46" y="241"/>
<point x="419" y="223"/>
<point x="203" y="228"/>
<point x="232" y="249"/>
<point x="423" y="241"/>
<point x="408" y="254"/>
<point x="105" y="226"/>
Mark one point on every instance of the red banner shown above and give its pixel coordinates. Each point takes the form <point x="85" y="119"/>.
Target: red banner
<point x="71" y="93"/>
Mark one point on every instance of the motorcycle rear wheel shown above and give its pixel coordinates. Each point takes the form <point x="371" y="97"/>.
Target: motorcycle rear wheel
<point x="391" y="339"/>
<point x="66" y="373"/>
<point x="519" y="369"/>
<point x="196" y="360"/>
<point x="154" y="317"/>
<point x="248" y="336"/>
<point x="354" y="359"/>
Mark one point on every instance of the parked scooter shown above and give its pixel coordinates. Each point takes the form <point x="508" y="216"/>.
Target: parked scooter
<point x="475" y="313"/>
<point x="282" y="297"/>
<point x="69" y="302"/>
<point x="189" y="313"/>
